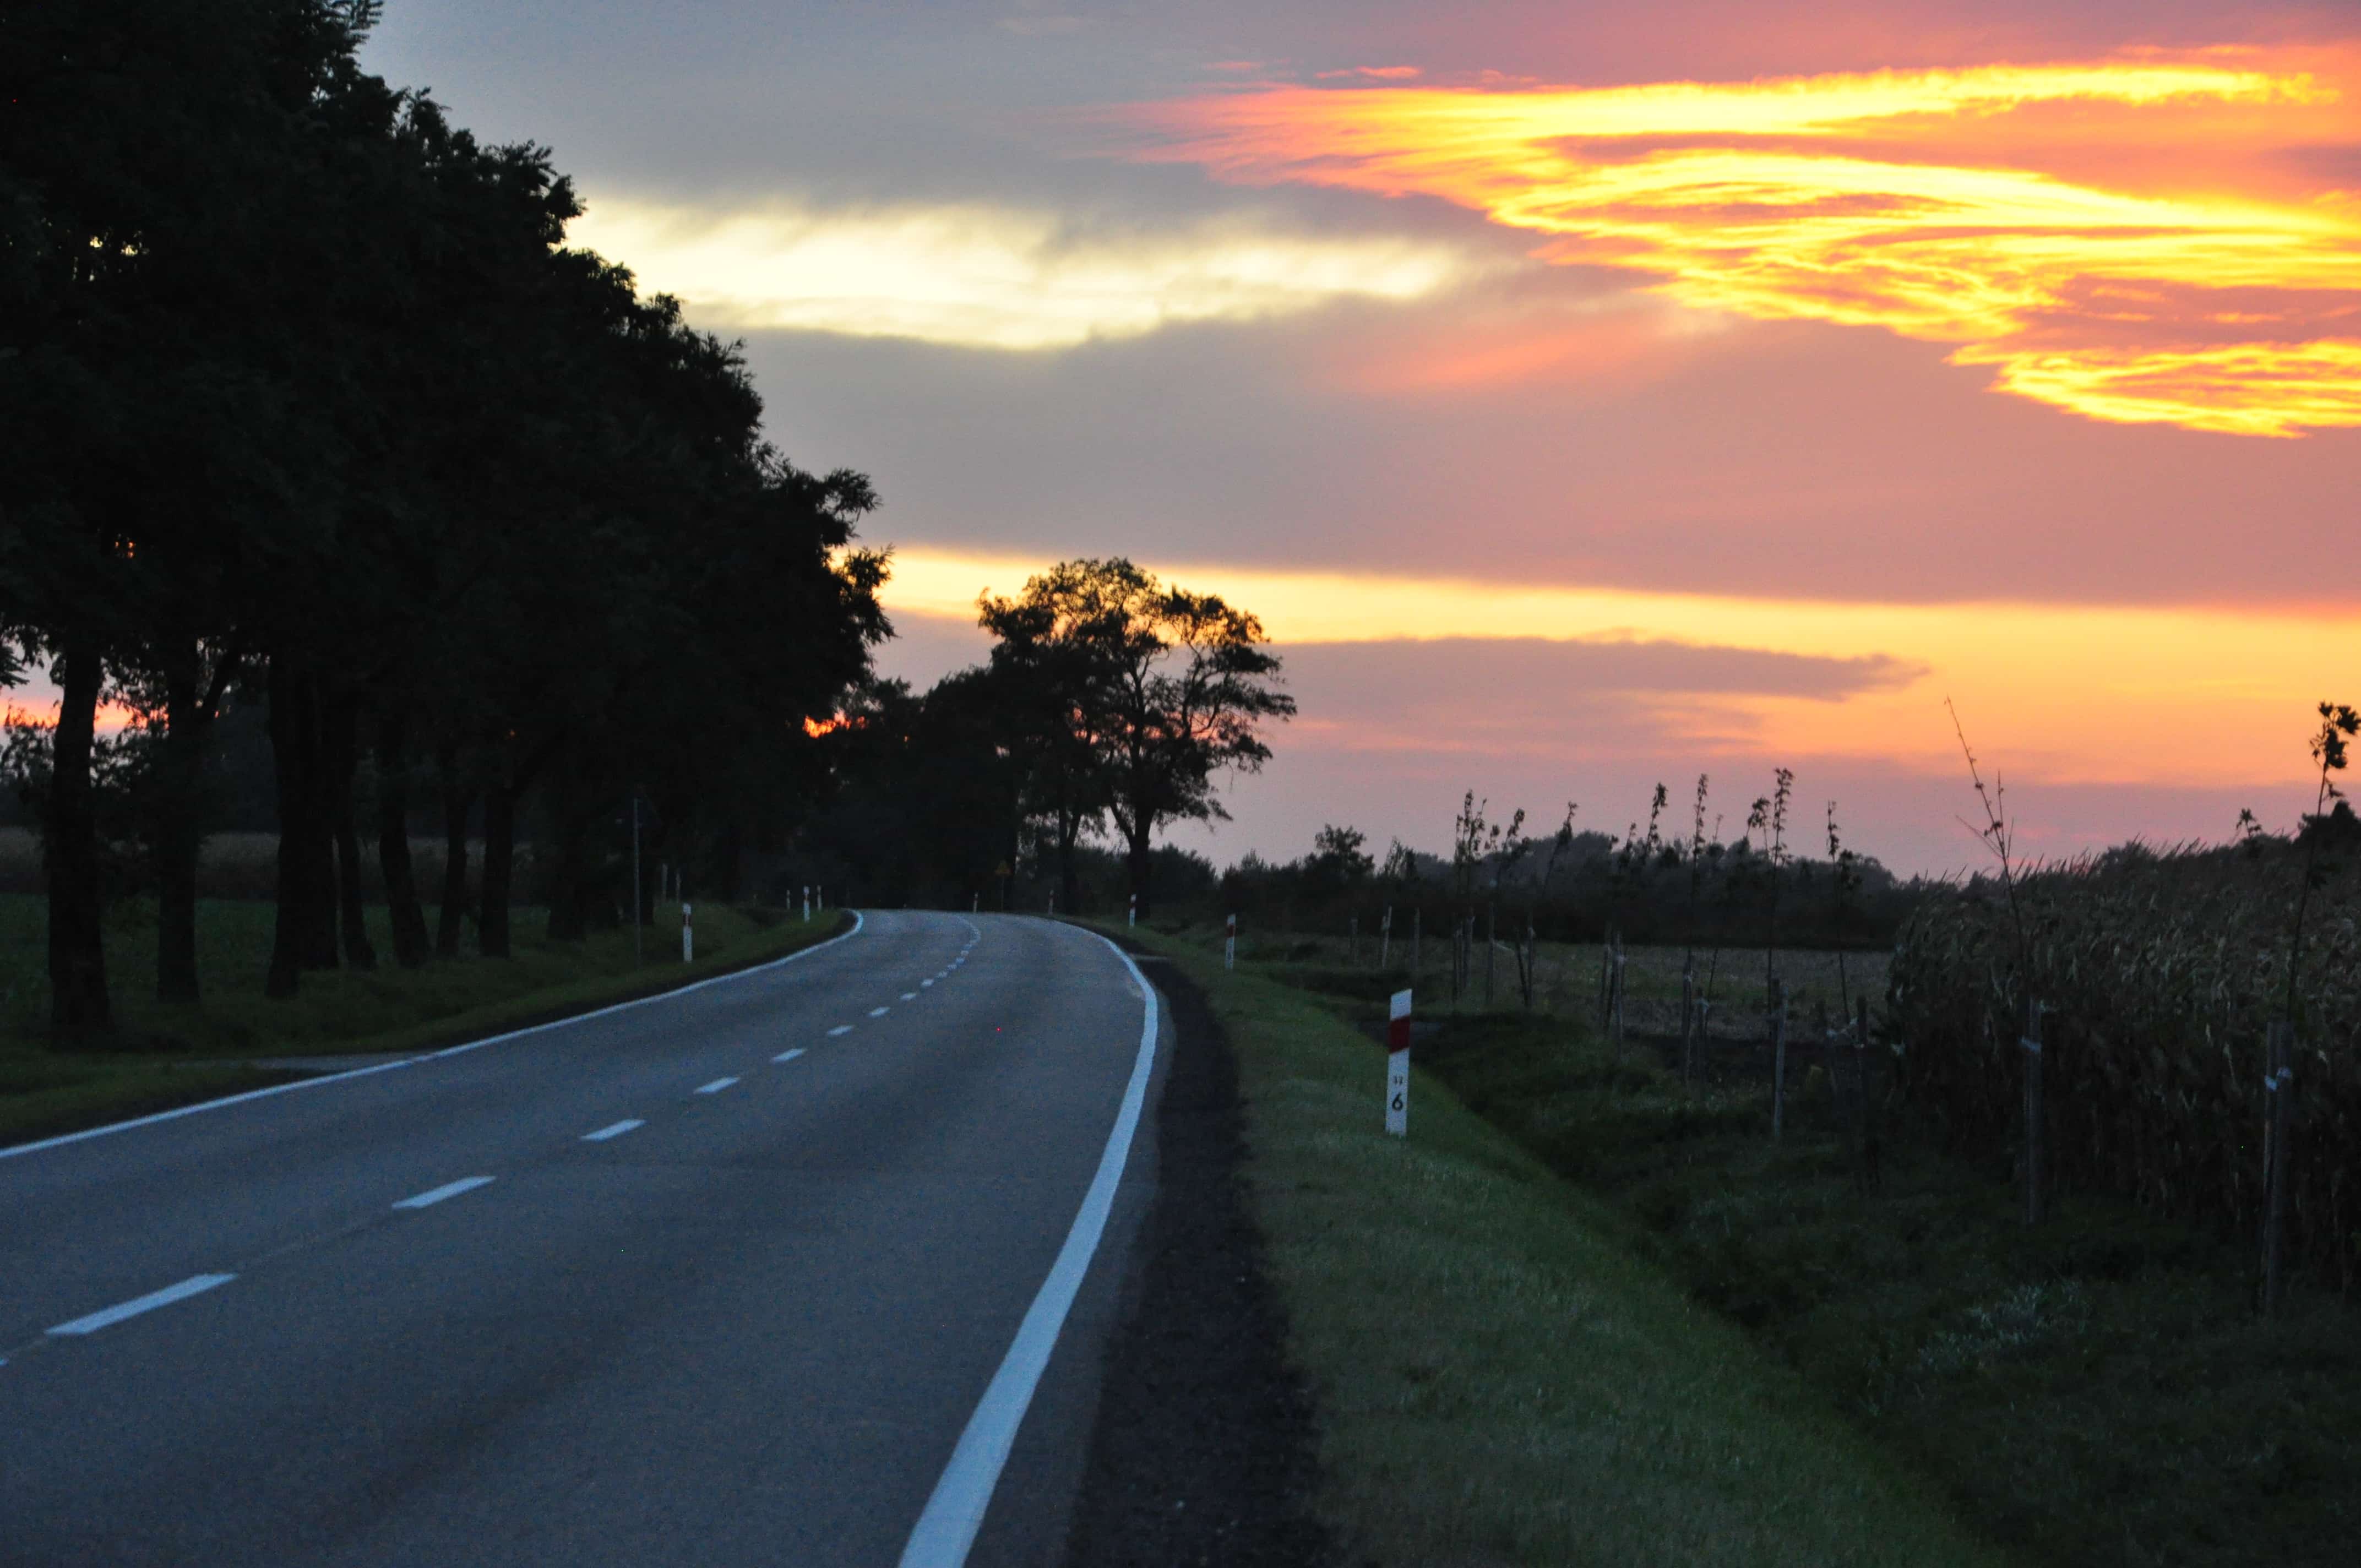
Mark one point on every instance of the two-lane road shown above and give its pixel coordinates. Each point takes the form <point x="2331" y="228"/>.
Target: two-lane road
<point x="762" y="1271"/>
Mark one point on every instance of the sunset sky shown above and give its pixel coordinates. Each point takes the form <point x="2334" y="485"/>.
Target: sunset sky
<point x="1584" y="394"/>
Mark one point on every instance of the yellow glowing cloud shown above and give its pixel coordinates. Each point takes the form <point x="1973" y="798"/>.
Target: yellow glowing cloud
<point x="2087" y="230"/>
<point x="2161" y="695"/>
<point x="990" y="277"/>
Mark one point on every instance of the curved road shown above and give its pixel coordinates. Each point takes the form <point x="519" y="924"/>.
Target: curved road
<point x="764" y="1270"/>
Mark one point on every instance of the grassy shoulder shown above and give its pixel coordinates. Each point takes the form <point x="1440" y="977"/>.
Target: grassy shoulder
<point x="2095" y="1388"/>
<point x="1500" y="1376"/>
<point x="170" y="1055"/>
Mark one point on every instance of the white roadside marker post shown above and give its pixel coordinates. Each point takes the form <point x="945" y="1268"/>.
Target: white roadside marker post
<point x="1131" y="913"/>
<point x="1230" y="945"/>
<point x="806" y="901"/>
<point x="1397" y="1066"/>
<point x="687" y="934"/>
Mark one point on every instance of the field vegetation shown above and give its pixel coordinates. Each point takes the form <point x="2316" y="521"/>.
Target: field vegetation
<point x="2095" y="1388"/>
<point x="2158" y="975"/>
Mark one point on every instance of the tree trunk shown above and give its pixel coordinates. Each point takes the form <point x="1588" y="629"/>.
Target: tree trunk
<point x="457" y="801"/>
<point x="409" y="921"/>
<point x="1069" y="883"/>
<point x="499" y="869"/>
<point x="1139" y="861"/>
<point x="569" y="868"/>
<point x="78" y="999"/>
<point x="287" y="724"/>
<point x="178" y="829"/>
<point x="341" y="752"/>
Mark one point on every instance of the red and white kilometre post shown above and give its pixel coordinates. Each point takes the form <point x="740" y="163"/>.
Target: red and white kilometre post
<point x="1398" y="1066"/>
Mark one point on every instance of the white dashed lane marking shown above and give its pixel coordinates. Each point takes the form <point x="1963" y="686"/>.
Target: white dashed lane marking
<point x="841" y="1029"/>
<point x="789" y="1056"/>
<point x="716" y="1087"/>
<point x="909" y="996"/>
<point x="194" y="1285"/>
<point x="877" y="1012"/>
<point x="612" y="1130"/>
<point x="435" y="1195"/>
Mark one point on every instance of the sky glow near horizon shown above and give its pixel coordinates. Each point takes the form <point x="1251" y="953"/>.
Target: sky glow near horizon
<point x="1584" y="396"/>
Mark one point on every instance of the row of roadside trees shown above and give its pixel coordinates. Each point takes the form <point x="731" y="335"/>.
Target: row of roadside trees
<point x="304" y="401"/>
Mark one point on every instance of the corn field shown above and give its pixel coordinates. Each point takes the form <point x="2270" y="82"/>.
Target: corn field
<point x="2159" y="974"/>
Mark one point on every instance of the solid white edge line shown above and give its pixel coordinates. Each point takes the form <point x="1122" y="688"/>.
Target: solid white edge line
<point x="613" y="1130"/>
<point x="716" y="1087"/>
<point x="435" y="1195"/>
<point x="955" y="1511"/>
<point x="226" y="1101"/>
<point x="789" y="1056"/>
<point x="194" y="1285"/>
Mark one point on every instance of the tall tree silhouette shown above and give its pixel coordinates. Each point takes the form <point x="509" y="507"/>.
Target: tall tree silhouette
<point x="1165" y="688"/>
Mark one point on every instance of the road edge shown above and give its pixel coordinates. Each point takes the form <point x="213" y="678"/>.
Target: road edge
<point x="1205" y="1446"/>
<point x="315" y="1080"/>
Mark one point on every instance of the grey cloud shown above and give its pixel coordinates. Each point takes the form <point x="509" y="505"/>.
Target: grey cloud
<point x="1787" y="460"/>
<point x="1443" y="670"/>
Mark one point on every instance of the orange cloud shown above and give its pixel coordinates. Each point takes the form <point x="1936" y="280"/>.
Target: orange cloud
<point x="2141" y="240"/>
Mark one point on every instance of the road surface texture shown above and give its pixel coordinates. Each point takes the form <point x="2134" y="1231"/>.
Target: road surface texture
<point x="774" y="1269"/>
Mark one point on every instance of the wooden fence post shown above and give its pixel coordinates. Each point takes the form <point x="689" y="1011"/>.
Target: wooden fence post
<point x="1417" y="929"/>
<point x="2279" y="1093"/>
<point x="1688" y="1018"/>
<point x="1451" y="962"/>
<point x="1863" y="1170"/>
<point x="1491" y="945"/>
<point x="1386" y="940"/>
<point x="2031" y="1044"/>
<point x="1617" y="1024"/>
<point x="1778" y="1058"/>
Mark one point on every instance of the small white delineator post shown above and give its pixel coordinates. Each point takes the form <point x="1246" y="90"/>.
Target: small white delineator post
<point x="1398" y="1066"/>
<point x="975" y="901"/>
<point x="687" y="934"/>
<point x="806" y="901"/>
<point x="1230" y="945"/>
<point x="1131" y="913"/>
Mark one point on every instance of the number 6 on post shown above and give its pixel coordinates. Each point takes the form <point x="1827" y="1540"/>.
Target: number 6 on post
<point x="1398" y="1066"/>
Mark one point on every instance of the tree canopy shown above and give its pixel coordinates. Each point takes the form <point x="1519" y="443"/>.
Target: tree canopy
<point x="304" y="403"/>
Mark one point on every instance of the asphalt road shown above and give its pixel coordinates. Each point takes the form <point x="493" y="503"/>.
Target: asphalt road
<point x="760" y="1272"/>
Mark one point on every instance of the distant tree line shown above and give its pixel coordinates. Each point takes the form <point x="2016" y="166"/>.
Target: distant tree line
<point x="305" y="406"/>
<point x="1643" y="885"/>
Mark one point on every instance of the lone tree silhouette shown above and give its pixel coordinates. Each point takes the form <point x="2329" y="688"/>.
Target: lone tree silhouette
<point x="1161" y="689"/>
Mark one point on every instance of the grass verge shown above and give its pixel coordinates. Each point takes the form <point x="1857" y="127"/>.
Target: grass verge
<point x="1500" y="1378"/>
<point x="169" y="1057"/>
<point x="2097" y="1389"/>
